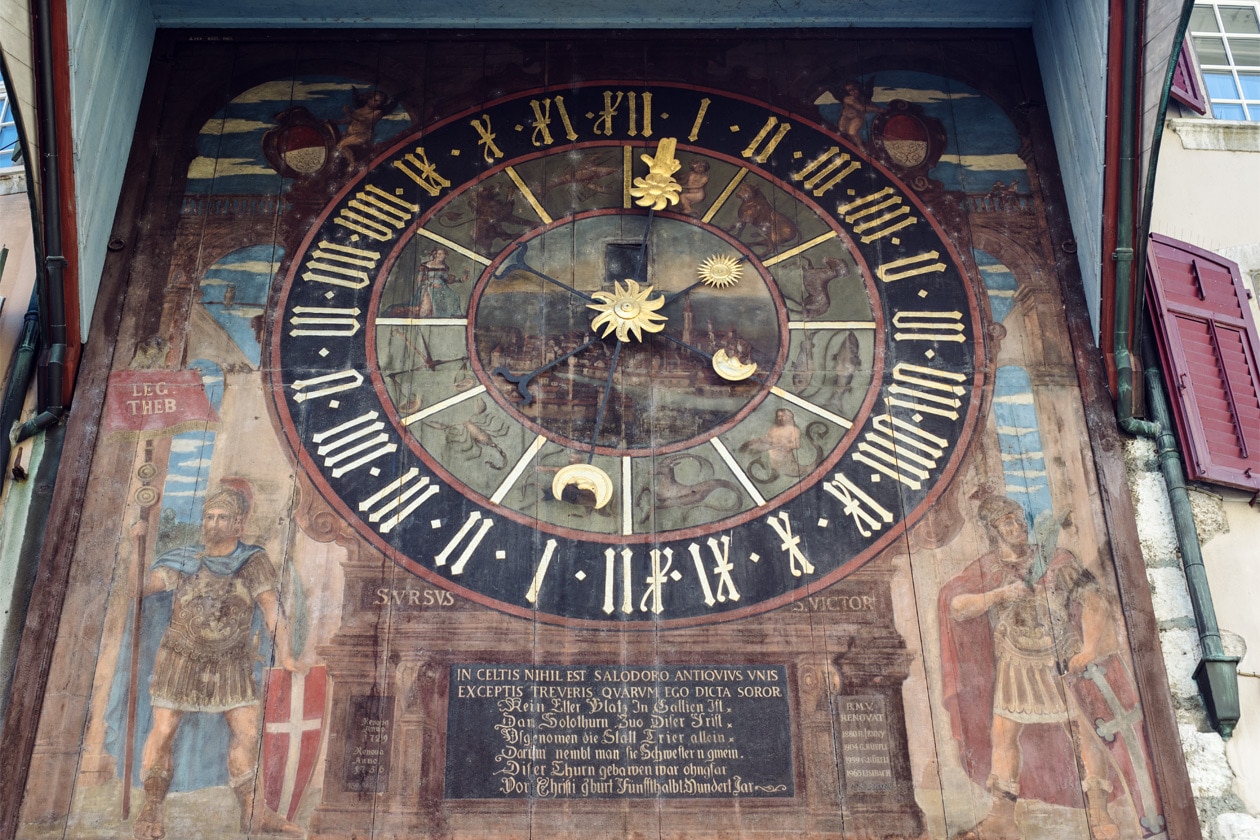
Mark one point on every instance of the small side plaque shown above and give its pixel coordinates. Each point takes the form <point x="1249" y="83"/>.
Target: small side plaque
<point x="864" y="738"/>
<point x="607" y="732"/>
<point x="368" y="743"/>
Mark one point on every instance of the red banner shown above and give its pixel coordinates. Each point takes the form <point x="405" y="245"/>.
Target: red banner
<point x="156" y="401"/>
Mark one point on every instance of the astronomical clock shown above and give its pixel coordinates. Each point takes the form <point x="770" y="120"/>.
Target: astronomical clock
<point x="629" y="353"/>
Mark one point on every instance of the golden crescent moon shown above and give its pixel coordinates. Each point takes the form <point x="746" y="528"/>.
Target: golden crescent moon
<point x="584" y="477"/>
<point x="731" y="368"/>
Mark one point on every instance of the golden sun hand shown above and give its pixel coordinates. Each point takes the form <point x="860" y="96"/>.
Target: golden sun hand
<point x="659" y="189"/>
<point x="626" y="311"/>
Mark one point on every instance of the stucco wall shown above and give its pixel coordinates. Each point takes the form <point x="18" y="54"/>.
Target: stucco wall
<point x="1206" y="195"/>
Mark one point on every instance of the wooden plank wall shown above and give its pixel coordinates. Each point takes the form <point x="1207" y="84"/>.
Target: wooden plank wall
<point x="1071" y="39"/>
<point x="110" y="43"/>
<point x="550" y="14"/>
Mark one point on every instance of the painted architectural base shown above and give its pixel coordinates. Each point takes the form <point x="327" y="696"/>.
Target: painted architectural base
<point x="619" y="737"/>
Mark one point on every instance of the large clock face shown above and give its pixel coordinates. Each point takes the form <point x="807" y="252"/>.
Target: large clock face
<point x="522" y="385"/>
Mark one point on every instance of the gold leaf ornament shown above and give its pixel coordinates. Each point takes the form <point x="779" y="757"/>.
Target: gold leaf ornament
<point x="658" y="189"/>
<point x="720" y="270"/>
<point x="731" y="368"/>
<point x="627" y="311"/>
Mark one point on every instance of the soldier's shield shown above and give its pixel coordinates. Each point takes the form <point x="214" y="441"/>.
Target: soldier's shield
<point x="293" y="726"/>
<point x="1108" y="696"/>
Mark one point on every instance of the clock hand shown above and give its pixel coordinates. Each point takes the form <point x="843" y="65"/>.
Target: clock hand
<point x="522" y="381"/>
<point x="603" y="401"/>
<point x="676" y="295"/>
<point x="656" y="191"/>
<point x="640" y="269"/>
<point x="516" y="262"/>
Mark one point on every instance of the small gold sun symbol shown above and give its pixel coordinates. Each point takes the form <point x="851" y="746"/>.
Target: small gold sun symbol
<point x="720" y="271"/>
<point x="627" y="310"/>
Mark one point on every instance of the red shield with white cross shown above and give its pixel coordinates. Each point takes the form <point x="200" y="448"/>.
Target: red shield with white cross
<point x="293" y="726"/>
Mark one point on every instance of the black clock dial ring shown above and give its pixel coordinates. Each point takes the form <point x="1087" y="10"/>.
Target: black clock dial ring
<point x="873" y="353"/>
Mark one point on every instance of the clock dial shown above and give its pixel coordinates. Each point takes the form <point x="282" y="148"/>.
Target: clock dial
<point x="519" y="383"/>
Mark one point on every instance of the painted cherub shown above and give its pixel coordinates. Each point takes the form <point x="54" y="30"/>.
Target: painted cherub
<point x="362" y="115"/>
<point x="857" y="104"/>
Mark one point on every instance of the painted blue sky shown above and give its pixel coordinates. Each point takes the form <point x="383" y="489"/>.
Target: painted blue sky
<point x="1019" y="436"/>
<point x="234" y="291"/>
<point x="229" y="147"/>
<point x="999" y="282"/>
<point x="188" y="471"/>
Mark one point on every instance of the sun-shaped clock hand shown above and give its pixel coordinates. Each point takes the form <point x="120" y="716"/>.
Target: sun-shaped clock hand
<point x="627" y="310"/>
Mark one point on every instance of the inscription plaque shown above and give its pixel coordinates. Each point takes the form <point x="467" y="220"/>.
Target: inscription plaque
<point x="368" y="743"/>
<point x="864" y="740"/>
<point x="595" y="731"/>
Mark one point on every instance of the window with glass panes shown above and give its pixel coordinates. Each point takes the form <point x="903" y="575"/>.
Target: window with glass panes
<point x="8" y="132"/>
<point x="1226" y="40"/>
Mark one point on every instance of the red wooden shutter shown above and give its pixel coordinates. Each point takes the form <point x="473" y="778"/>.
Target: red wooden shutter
<point x="1185" y="81"/>
<point x="1207" y="338"/>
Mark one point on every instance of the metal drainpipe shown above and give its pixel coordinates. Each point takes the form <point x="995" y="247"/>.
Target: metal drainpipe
<point x="51" y="279"/>
<point x="1123" y="255"/>
<point x="1216" y="674"/>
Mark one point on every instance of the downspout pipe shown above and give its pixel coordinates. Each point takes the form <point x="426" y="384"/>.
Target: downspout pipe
<point x="1125" y="236"/>
<point x="1217" y="673"/>
<point x="50" y="283"/>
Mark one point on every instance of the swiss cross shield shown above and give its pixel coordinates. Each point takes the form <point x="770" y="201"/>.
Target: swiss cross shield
<point x="293" y="726"/>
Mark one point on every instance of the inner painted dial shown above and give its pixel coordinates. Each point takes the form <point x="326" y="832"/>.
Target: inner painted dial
<point x="664" y="392"/>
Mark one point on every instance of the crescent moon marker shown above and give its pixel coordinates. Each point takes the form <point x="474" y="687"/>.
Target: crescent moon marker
<point x="584" y="477"/>
<point x="732" y="369"/>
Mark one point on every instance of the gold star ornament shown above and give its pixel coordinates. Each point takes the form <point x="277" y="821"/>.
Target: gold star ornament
<point x="659" y="189"/>
<point x="627" y="311"/>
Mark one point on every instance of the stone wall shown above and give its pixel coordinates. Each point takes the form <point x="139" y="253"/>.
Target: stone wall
<point x="1218" y="769"/>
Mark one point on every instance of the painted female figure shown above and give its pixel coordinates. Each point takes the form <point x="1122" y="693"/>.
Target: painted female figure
<point x="434" y="297"/>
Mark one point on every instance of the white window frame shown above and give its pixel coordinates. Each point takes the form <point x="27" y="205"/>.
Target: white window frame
<point x="1251" y="107"/>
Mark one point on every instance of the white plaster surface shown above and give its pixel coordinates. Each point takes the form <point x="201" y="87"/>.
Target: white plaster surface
<point x="1224" y="775"/>
<point x="1217" y="135"/>
<point x="15" y="504"/>
<point x="1150" y="503"/>
<point x="1210" y="774"/>
<point x="1169" y="594"/>
<point x="1211" y="167"/>
<point x="1231" y="562"/>
<point x="1237" y="827"/>
<point x="1181" y="657"/>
